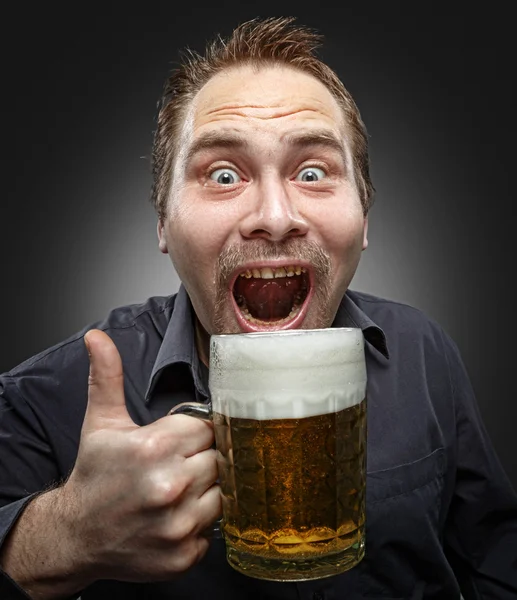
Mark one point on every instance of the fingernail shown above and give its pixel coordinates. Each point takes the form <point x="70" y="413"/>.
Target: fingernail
<point x="87" y="343"/>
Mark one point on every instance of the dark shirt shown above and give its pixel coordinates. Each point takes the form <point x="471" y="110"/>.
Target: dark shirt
<point x="441" y="514"/>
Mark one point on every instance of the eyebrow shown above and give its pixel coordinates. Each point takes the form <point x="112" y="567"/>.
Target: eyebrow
<point x="317" y="137"/>
<point x="298" y="139"/>
<point x="215" y="139"/>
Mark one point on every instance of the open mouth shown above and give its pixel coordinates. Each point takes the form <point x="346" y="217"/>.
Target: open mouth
<point x="271" y="296"/>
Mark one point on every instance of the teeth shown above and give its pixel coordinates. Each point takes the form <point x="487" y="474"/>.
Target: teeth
<point x="271" y="273"/>
<point x="246" y="314"/>
<point x="266" y="273"/>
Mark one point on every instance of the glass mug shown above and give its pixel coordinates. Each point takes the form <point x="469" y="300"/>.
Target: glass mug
<point x="289" y="414"/>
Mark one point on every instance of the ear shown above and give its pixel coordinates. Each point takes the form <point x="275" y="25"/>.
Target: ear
<point x="365" y="233"/>
<point x="162" y="242"/>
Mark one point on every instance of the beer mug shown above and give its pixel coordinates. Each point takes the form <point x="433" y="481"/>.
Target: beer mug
<point x="289" y="414"/>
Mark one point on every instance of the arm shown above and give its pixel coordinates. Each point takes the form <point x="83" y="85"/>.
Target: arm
<point x="481" y="528"/>
<point x="135" y="505"/>
<point x="27" y="466"/>
<point x="38" y="552"/>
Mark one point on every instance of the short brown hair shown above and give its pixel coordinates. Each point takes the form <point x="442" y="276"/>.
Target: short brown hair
<point x="259" y="42"/>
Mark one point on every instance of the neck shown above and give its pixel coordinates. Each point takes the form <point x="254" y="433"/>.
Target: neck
<point x="202" y="342"/>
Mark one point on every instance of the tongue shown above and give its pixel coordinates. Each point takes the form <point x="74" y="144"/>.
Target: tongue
<point x="268" y="299"/>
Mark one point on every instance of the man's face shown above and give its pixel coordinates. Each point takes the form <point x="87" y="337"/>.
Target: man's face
<point x="264" y="225"/>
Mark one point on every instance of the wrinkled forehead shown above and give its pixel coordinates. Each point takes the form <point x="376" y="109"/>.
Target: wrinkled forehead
<point x="260" y="97"/>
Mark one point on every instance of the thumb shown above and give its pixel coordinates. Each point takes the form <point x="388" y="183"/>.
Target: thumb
<point x="106" y="401"/>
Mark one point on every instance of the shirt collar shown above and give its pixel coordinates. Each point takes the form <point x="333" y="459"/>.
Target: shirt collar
<point x="350" y="315"/>
<point x="179" y="344"/>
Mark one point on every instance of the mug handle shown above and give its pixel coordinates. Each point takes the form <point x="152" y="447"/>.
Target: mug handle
<point x="203" y="412"/>
<point x="193" y="409"/>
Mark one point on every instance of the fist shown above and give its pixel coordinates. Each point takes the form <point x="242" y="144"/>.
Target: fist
<point x="141" y="498"/>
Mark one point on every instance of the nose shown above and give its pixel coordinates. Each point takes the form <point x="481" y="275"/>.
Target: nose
<point x="273" y="214"/>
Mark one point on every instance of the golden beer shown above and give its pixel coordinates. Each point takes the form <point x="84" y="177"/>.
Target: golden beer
<point x="292" y="468"/>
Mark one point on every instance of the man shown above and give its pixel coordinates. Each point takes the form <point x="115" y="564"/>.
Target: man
<point x="261" y="170"/>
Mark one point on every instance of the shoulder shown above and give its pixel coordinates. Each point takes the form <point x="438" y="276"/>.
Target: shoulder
<point x="392" y="313"/>
<point x="403" y="323"/>
<point x="127" y="325"/>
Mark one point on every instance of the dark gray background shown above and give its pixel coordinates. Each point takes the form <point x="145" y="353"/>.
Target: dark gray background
<point x="435" y="90"/>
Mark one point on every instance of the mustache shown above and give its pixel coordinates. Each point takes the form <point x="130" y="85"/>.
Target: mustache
<point x="234" y="256"/>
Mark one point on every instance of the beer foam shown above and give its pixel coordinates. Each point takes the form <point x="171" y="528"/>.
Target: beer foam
<point x="287" y="374"/>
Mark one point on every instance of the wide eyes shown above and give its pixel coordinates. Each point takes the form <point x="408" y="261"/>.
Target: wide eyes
<point x="310" y="174"/>
<point x="225" y="176"/>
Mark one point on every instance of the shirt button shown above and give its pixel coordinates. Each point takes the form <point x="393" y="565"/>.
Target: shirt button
<point x="318" y="596"/>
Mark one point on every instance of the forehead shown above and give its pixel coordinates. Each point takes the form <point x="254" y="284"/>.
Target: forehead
<point x="266" y="98"/>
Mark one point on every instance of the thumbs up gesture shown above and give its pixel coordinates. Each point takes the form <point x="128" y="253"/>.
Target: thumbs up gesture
<point x="141" y="496"/>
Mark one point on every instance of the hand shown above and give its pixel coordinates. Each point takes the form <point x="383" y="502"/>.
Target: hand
<point x="139" y="498"/>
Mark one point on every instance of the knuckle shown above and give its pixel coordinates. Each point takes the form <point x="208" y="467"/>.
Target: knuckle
<point x="204" y="461"/>
<point x="190" y="553"/>
<point x="211" y="457"/>
<point x="208" y="465"/>
<point x="216" y="498"/>
<point x="151" y="446"/>
<point x="189" y="426"/>
<point x="98" y="379"/>
<point x="214" y="504"/>
<point x="212" y="462"/>
<point x="183" y="529"/>
<point x="165" y="491"/>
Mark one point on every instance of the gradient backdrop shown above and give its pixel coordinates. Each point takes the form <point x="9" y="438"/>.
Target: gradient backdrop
<point x="78" y="233"/>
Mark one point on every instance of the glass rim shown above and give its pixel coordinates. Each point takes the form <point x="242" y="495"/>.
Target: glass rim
<point x="285" y="332"/>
